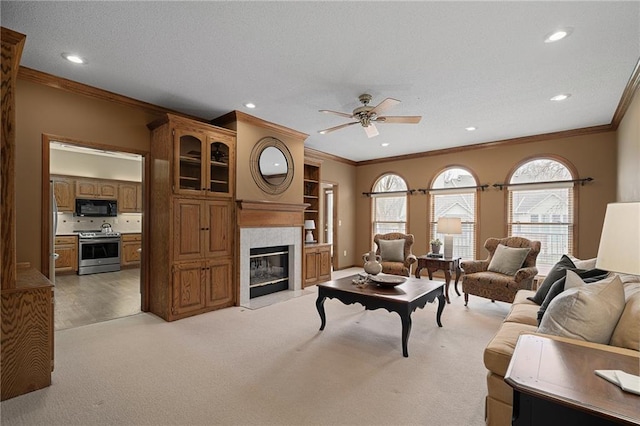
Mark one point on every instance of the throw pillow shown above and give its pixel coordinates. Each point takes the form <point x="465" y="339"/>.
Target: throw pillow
<point x="627" y="331"/>
<point x="587" y="312"/>
<point x="392" y="250"/>
<point x="507" y="260"/>
<point x="590" y="276"/>
<point x="555" y="273"/>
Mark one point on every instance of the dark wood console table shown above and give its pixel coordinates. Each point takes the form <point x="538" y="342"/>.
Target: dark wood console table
<point x="402" y="299"/>
<point x="433" y="264"/>
<point x="554" y="383"/>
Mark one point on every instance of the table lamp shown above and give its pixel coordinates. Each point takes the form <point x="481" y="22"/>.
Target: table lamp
<point x="309" y="226"/>
<point x="619" y="249"/>
<point x="449" y="226"/>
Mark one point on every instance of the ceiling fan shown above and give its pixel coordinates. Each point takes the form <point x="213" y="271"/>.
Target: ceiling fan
<point x="366" y="116"/>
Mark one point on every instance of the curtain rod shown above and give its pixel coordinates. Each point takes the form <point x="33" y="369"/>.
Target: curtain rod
<point x="426" y="190"/>
<point x="505" y="185"/>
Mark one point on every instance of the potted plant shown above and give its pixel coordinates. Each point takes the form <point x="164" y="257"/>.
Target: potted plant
<point x="435" y="246"/>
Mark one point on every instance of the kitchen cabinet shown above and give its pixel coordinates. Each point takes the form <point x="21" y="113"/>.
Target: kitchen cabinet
<point x="96" y="188"/>
<point x="131" y="249"/>
<point x="64" y="191"/>
<point x="67" y="249"/>
<point x="192" y="189"/>
<point x="129" y="197"/>
<point x="317" y="263"/>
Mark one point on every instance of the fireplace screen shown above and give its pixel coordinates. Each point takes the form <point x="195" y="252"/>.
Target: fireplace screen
<point x="269" y="270"/>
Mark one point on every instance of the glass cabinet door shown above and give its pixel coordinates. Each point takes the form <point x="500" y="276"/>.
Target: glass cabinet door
<point x="189" y="161"/>
<point x="219" y="166"/>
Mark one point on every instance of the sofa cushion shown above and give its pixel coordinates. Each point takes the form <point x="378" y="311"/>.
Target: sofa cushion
<point x="497" y="354"/>
<point x="507" y="260"/>
<point x="523" y="313"/>
<point x="586" y="312"/>
<point x="522" y="296"/>
<point x="392" y="250"/>
<point x="627" y="331"/>
<point x="555" y="273"/>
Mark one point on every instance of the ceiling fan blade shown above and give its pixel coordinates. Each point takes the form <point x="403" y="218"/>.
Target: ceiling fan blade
<point x="371" y="130"/>
<point x="341" y="114"/>
<point x="331" y="129"/>
<point x="383" y="106"/>
<point x="402" y="119"/>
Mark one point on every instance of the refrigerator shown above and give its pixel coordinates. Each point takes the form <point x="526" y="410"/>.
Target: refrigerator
<point x="53" y="226"/>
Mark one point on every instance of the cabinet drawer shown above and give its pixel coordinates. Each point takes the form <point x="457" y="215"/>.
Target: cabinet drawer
<point x="66" y="240"/>
<point x="131" y="237"/>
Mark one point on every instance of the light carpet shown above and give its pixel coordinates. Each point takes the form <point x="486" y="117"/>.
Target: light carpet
<point x="270" y="366"/>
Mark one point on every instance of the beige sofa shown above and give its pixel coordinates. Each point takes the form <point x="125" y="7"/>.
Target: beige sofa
<point x="522" y="319"/>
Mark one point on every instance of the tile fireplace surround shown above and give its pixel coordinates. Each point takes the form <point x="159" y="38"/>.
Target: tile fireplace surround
<point x="268" y="224"/>
<point x="290" y="236"/>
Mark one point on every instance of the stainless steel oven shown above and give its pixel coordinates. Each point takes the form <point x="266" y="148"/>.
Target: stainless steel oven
<point x="98" y="252"/>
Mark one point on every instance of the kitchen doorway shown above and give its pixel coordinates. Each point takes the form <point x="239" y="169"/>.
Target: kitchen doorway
<point x="94" y="240"/>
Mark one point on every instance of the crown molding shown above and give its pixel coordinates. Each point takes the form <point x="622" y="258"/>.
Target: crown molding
<point x="632" y="87"/>
<point x="240" y="116"/>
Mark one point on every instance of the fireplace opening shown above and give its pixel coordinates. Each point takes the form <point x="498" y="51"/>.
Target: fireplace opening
<point x="268" y="270"/>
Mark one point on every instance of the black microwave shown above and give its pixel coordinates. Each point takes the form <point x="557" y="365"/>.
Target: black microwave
<point x="96" y="208"/>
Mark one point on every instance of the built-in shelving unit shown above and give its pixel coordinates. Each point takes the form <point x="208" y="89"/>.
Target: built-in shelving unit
<point x="312" y="193"/>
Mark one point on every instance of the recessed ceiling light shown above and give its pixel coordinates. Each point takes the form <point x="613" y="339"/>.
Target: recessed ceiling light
<point x="384" y="144"/>
<point x="276" y="164"/>
<point x="74" y="58"/>
<point x="558" y="35"/>
<point x="250" y="105"/>
<point x="561" y="97"/>
<point x="470" y="128"/>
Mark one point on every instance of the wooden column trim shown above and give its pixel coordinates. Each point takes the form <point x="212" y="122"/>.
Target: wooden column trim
<point x="11" y="51"/>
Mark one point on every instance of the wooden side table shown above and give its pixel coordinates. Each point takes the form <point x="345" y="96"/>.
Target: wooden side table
<point x="433" y="264"/>
<point x="554" y="383"/>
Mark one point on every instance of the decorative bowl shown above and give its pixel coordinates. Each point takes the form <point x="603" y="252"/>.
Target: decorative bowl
<point x="387" y="280"/>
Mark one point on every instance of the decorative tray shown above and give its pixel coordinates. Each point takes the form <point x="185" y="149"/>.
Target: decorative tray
<point x="387" y="280"/>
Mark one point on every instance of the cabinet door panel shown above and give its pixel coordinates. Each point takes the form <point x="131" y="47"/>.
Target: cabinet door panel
<point x="108" y="190"/>
<point x="220" y="228"/>
<point x="86" y="189"/>
<point x="324" y="260"/>
<point x="189" y="151"/>
<point x="188" y="287"/>
<point x="311" y="272"/>
<point x="127" y="198"/>
<point x="67" y="258"/>
<point x="219" y="288"/>
<point x="130" y="253"/>
<point x="64" y="191"/>
<point x="187" y="229"/>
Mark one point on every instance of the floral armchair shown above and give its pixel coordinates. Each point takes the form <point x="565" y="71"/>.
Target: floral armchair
<point x="395" y="250"/>
<point x="480" y="280"/>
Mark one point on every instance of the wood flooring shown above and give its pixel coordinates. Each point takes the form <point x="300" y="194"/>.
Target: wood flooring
<point x="88" y="299"/>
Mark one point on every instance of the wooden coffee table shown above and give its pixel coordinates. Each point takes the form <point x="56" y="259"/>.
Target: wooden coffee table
<point x="403" y="299"/>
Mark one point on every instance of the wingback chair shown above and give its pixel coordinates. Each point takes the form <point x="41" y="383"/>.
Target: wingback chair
<point x="396" y="257"/>
<point x="480" y="281"/>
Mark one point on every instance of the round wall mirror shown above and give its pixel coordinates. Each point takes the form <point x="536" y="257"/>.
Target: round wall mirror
<point x="271" y="165"/>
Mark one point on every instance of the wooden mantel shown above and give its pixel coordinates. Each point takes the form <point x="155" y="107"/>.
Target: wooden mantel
<point x="255" y="213"/>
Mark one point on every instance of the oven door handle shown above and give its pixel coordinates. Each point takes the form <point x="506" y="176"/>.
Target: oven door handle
<point x="99" y="240"/>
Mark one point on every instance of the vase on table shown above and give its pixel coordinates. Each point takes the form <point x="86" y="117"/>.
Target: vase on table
<point x="372" y="265"/>
<point x="435" y="248"/>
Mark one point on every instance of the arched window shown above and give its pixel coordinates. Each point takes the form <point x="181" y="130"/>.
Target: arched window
<point x="544" y="210"/>
<point x="389" y="205"/>
<point x="454" y="195"/>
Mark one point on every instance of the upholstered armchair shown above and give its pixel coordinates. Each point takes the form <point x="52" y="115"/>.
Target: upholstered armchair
<point x="395" y="250"/>
<point x="500" y="276"/>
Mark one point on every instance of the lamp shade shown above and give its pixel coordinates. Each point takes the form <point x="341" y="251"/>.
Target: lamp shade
<point x="309" y="224"/>
<point x="449" y="225"/>
<point x="619" y="249"/>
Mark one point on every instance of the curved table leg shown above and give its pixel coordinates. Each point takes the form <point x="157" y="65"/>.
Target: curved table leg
<point x="447" y="280"/>
<point x="455" y="286"/>
<point x="441" y="302"/>
<point x="320" y="307"/>
<point x="406" y="330"/>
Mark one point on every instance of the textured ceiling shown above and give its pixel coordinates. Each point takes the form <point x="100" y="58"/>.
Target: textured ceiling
<point x="457" y="64"/>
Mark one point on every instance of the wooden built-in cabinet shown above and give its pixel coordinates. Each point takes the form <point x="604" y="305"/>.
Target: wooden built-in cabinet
<point x="131" y="249"/>
<point x="96" y="188"/>
<point x="64" y="192"/>
<point x="66" y="247"/>
<point x="192" y="234"/>
<point x="317" y="263"/>
<point x="312" y="194"/>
